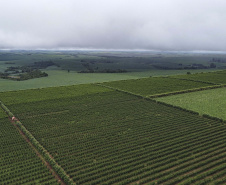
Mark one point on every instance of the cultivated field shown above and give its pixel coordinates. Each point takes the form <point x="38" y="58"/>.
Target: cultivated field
<point x="211" y="77"/>
<point x="137" y="65"/>
<point x="112" y="132"/>
<point x="156" y="85"/>
<point x="101" y="136"/>
<point x="3" y="114"/>
<point x="211" y="102"/>
<point x="19" y="164"/>
<point x="63" y="78"/>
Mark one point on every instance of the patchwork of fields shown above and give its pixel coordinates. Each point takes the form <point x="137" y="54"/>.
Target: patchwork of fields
<point x="102" y="136"/>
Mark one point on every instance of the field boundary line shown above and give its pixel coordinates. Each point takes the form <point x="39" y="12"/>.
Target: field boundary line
<point x="42" y="153"/>
<point x="211" y="83"/>
<point x="165" y="94"/>
<point x="149" y="98"/>
<point x="40" y="156"/>
<point x="186" y="91"/>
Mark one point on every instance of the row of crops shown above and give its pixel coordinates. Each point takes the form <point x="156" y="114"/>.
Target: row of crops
<point x="161" y="86"/>
<point x="19" y="161"/>
<point x="111" y="137"/>
<point x="2" y="114"/>
<point x="32" y="95"/>
<point x="155" y="85"/>
<point x="217" y="77"/>
<point x="19" y="164"/>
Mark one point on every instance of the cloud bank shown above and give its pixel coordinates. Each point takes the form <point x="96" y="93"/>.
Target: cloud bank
<point x="113" y="24"/>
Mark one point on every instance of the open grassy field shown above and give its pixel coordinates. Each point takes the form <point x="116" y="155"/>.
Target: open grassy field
<point x="211" y="102"/>
<point x="106" y="137"/>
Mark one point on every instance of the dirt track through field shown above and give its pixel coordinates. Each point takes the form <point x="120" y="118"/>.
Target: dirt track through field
<point x="38" y="154"/>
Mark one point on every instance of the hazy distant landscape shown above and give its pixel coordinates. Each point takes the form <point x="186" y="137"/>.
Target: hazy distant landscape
<point x="79" y="67"/>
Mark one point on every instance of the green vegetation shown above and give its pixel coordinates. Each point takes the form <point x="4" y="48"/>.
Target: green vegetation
<point x="113" y="133"/>
<point x="32" y="74"/>
<point x="108" y="137"/>
<point x="19" y="163"/>
<point x="211" y="102"/>
<point x="155" y="85"/>
<point x="63" y="67"/>
<point x="62" y="78"/>
<point x="2" y="114"/>
<point x="211" y="77"/>
<point x="17" y="97"/>
<point x="23" y="72"/>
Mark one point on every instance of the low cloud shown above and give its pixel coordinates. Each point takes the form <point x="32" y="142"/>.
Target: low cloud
<point x="113" y="24"/>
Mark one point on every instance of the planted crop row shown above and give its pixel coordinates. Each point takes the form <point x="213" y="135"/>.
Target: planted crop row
<point x="19" y="164"/>
<point x="113" y="137"/>
<point x="33" y="95"/>
<point x="155" y="85"/>
<point x="217" y="77"/>
<point x="186" y="91"/>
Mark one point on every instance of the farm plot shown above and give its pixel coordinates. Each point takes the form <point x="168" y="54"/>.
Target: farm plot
<point x="23" y="96"/>
<point x="211" y="102"/>
<point x="112" y="137"/>
<point x="155" y="85"/>
<point x="218" y="77"/>
<point x="19" y="164"/>
<point x="2" y="114"/>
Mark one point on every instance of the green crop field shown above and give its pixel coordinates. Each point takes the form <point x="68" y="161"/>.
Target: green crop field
<point x="137" y="65"/>
<point x="19" y="164"/>
<point x="211" y="102"/>
<point x="107" y="132"/>
<point x="2" y="114"/>
<point x="109" y="137"/>
<point x="63" y="78"/>
<point x="218" y="77"/>
<point x="32" y="95"/>
<point x="155" y="85"/>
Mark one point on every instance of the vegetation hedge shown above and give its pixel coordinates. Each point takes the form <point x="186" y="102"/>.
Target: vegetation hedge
<point x="213" y="118"/>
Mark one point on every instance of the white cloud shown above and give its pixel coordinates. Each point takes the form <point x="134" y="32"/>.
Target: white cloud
<point x="117" y="24"/>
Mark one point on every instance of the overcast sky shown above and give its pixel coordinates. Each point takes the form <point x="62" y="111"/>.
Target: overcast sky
<point x="113" y="24"/>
